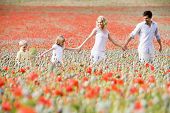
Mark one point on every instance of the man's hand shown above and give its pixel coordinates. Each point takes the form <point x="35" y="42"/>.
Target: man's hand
<point x="160" y="49"/>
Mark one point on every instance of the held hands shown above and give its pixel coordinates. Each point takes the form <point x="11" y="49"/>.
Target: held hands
<point x="160" y="49"/>
<point x="78" y="49"/>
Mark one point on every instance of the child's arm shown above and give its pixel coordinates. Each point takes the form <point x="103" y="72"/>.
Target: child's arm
<point x="46" y="52"/>
<point x="70" y="48"/>
<point x="114" y="42"/>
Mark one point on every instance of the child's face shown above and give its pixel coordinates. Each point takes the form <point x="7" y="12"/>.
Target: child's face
<point x="100" y="23"/>
<point x="24" y="48"/>
<point x="61" y="42"/>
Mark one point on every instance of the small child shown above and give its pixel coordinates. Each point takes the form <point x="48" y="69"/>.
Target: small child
<point x="101" y="36"/>
<point x="23" y="56"/>
<point x="57" y="51"/>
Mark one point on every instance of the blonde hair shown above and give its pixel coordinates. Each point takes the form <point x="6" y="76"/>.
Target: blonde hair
<point x="103" y="19"/>
<point x="23" y="43"/>
<point x="59" y="40"/>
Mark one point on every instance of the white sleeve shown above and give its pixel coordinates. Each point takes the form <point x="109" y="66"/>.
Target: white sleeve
<point x="135" y="31"/>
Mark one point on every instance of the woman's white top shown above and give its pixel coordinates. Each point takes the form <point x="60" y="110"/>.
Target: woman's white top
<point x="57" y="53"/>
<point x="101" y="38"/>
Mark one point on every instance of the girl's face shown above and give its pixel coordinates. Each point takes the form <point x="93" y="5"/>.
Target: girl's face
<point x="61" y="42"/>
<point x="24" y="48"/>
<point x="100" y="24"/>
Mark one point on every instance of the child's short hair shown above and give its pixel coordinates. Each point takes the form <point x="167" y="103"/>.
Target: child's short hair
<point x="59" y="39"/>
<point x="103" y="19"/>
<point x="23" y="43"/>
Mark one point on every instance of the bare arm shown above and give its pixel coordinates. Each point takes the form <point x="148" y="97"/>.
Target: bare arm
<point x="46" y="52"/>
<point x="70" y="49"/>
<point x="127" y="42"/>
<point x="114" y="42"/>
<point x="160" y="45"/>
<point x="91" y="34"/>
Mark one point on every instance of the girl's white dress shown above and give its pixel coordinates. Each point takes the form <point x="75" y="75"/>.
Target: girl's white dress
<point x="57" y="54"/>
<point x="98" y="50"/>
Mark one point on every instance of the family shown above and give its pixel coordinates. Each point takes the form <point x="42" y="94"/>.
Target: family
<point x="147" y="31"/>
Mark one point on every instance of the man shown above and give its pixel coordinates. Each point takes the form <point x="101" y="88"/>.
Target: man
<point x="146" y="31"/>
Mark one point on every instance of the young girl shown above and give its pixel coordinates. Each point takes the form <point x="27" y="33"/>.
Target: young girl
<point x="23" y="56"/>
<point x="57" y="51"/>
<point x="101" y="36"/>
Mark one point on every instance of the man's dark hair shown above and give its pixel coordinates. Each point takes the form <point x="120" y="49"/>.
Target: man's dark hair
<point x="148" y="13"/>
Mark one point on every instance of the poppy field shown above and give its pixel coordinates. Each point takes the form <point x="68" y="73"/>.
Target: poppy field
<point x="120" y="85"/>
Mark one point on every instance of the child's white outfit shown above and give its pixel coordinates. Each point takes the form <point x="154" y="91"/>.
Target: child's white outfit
<point x="22" y="57"/>
<point x="98" y="50"/>
<point x="146" y="34"/>
<point x="57" y="54"/>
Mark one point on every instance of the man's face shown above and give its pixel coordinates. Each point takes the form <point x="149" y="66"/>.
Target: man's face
<point x="147" y="19"/>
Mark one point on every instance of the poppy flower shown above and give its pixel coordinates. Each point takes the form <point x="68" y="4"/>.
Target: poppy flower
<point x="151" y="79"/>
<point x="89" y="70"/>
<point x="32" y="76"/>
<point x="25" y="109"/>
<point x="6" y="106"/>
<point x="58" y="79"/>
<point x="137" y="105"/>
<point x="22" y="70"/>
<point x="133" y="90"/>
<point x="2" y="82"/>
<point x="5" y="68"/>
<point x="44" y="101"/>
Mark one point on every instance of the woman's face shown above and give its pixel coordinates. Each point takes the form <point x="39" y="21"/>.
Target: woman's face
<point x="100" y="24"/>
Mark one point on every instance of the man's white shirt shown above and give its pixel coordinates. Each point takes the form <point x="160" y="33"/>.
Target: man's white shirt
<point x="146" y="35"/>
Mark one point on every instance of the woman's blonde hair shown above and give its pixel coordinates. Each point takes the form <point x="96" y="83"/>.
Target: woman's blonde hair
<point x="59" y="40"/>
<point x="103" y="19"/>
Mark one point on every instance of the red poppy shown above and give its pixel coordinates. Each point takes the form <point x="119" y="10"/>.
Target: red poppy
<point x="139" y="80"/>
<point x="47" y="90"/>
<point x="5" y="68"/>
<point x="44" y="101"/>
<point x="58" y="92"/>
<point x="22" y="70"/>
<point x="26" y="109"/>
<point x="137" y="105"/>
<point x="17" y="91"/>
<point x="84" y="79"/>
<point x="33" y="76"/>
<point x="133" y="90"/>
<point x="147" y="65"/>
<point x="89" y="70"/>
<point x="116" y="89"/>
<point x="120" y="81"/>
<point x="69" y="88"/>
<point x="58" y="79"/>
<point x="98" y="72"/>
<point x="13" y="72"/>
<point x="6" y="106"/>
<point x="2" y="82"/>
<point x="151" y="79"/>
<point x="73" y="82"/>
<point x="152" y="67"/>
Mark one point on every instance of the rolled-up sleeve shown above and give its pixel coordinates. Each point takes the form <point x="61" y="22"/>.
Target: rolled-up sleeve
<point x="135" y="31"/>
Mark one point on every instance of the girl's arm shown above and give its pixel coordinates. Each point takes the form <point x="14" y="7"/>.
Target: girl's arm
<point x="46" y="52"/>
<point x="70" y="48"/>
<point x="91" y="34"/>
<point x="114" y="42"/>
